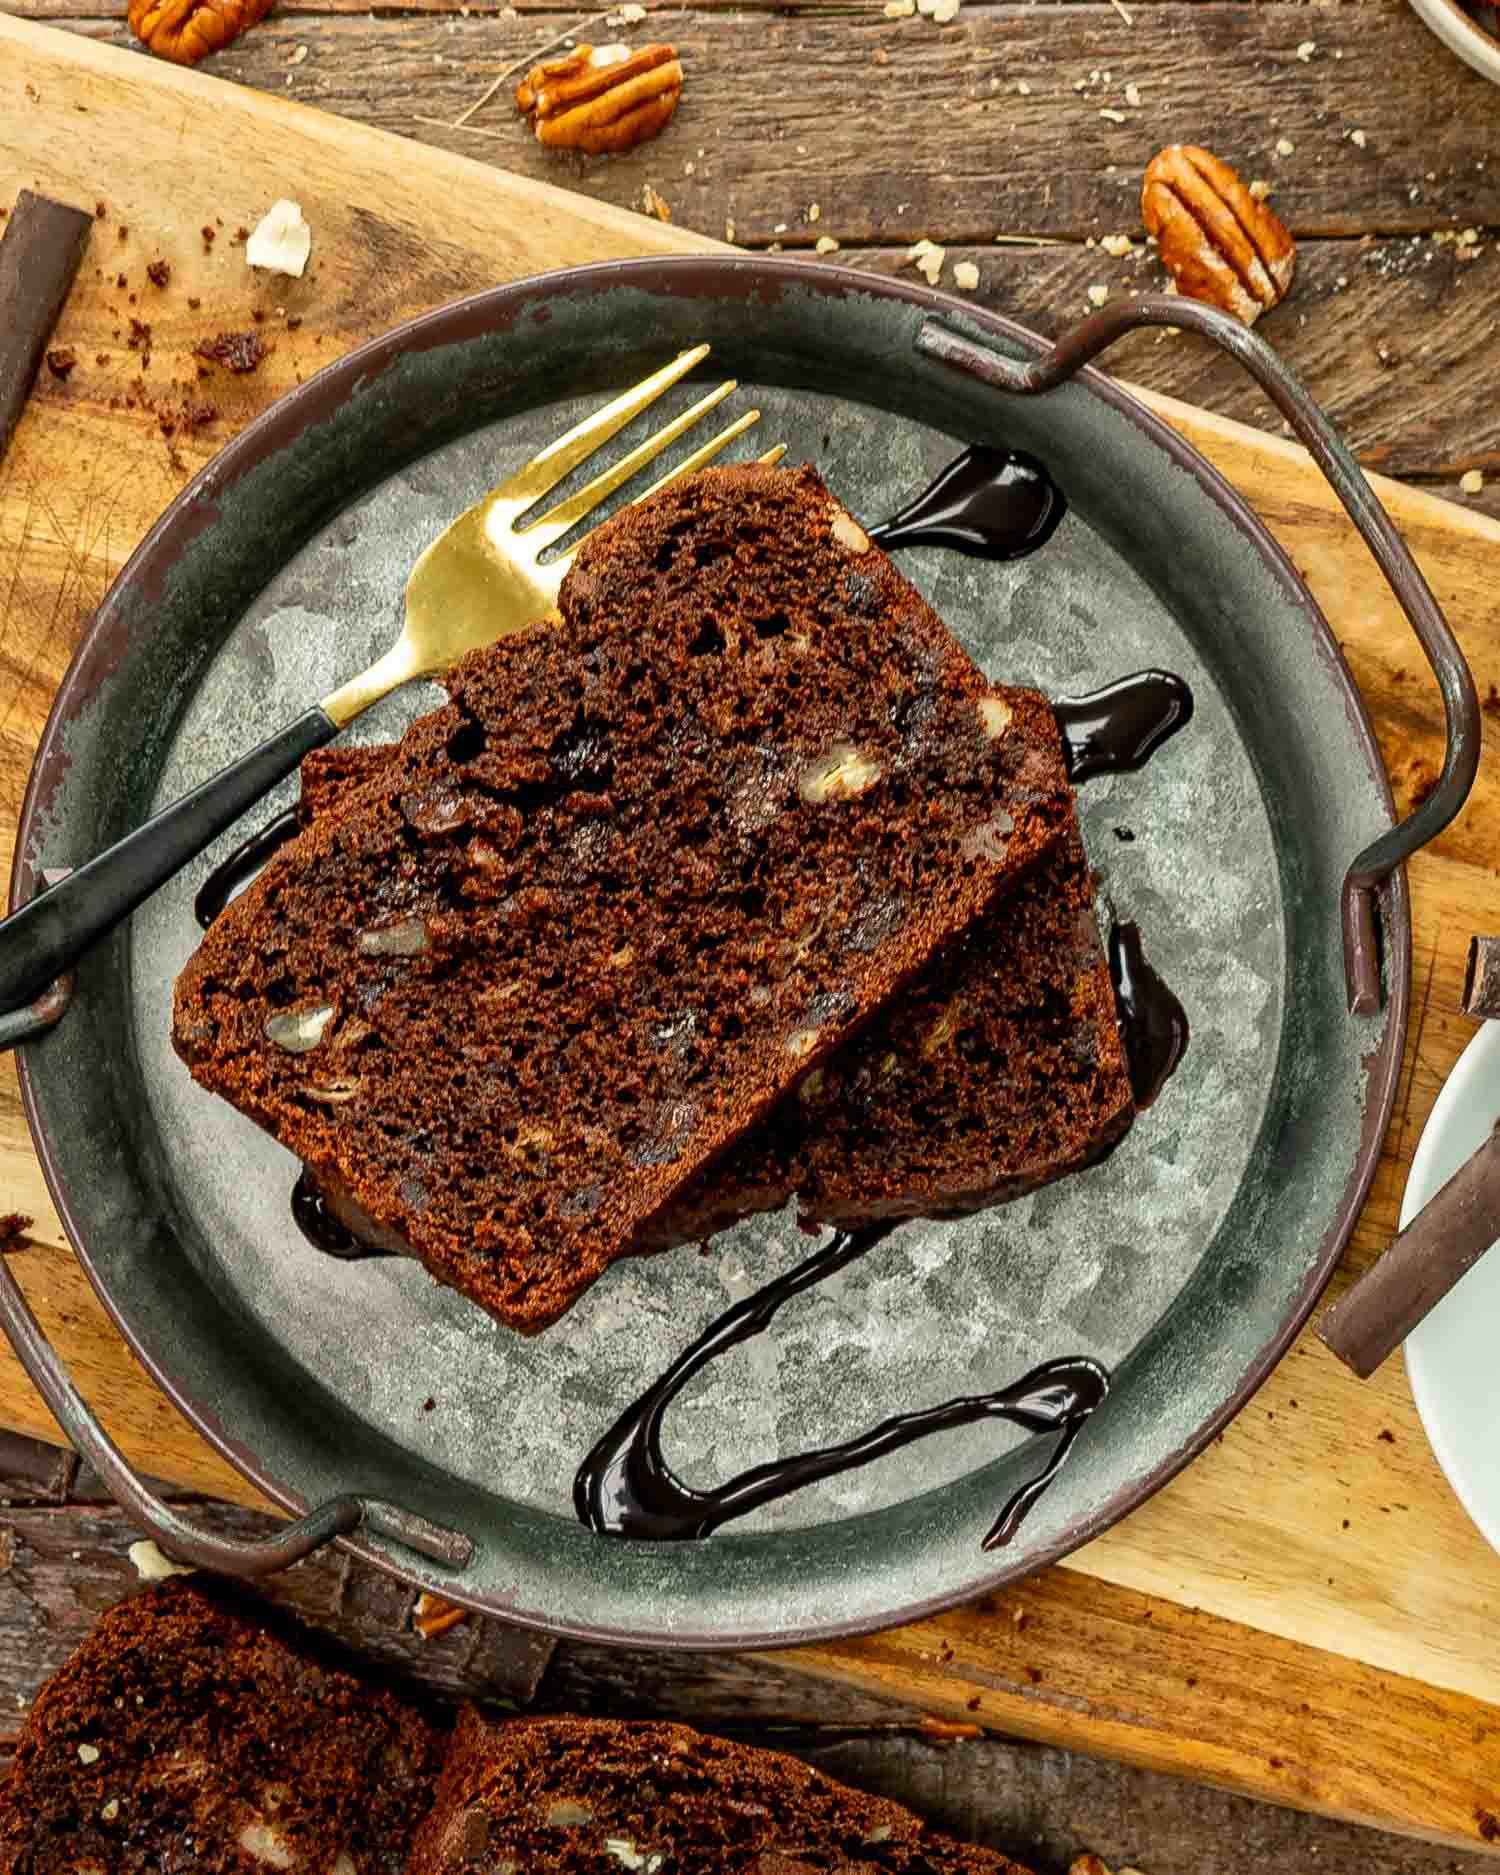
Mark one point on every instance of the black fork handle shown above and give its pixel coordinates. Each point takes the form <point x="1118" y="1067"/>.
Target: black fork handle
<point x="1460" y="702"/>
<point x="41" y="940"/>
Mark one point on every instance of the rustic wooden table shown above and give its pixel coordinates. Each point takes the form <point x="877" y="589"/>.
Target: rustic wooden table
<point x="1031" y="124"/>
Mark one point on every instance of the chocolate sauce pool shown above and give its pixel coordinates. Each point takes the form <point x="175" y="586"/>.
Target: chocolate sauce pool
<point x="625" y="1486"/>
<point x="1152" y="1021"/>
<point x="1118" y="728"/>
<point x="243" y="863"/>
<point x="996" y="504"/>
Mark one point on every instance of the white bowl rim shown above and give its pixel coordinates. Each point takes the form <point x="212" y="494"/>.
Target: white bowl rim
<point x="1480" y="1060"/>
<point x="1461" y="35"/>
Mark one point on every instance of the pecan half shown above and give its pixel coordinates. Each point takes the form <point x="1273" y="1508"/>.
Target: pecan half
<point x="1218" y="243"/>
<point x="601" y="97"/>
<point x="187" y="30"/>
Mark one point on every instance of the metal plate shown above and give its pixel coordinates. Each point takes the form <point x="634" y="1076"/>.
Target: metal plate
<point x="1187" y="1261"/>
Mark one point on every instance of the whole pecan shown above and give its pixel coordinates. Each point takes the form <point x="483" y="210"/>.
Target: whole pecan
<point x="187" y="30"/>
<point x="601" y="97"/>
<point x="1218" y="243"/>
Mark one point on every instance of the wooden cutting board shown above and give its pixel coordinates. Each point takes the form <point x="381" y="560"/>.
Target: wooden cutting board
<point x="1306" y="1614"/>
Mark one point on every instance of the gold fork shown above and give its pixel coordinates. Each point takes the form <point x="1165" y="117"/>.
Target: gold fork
<point x="482" y="578"/>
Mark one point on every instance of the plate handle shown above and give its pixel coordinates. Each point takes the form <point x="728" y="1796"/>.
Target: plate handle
<point x="259" y="1556"/>
<point x="1460" y="704"/>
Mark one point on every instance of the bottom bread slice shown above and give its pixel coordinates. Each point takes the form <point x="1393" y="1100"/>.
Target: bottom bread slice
<point x="193" y="1732"/>
<point x="580" y="1796"/>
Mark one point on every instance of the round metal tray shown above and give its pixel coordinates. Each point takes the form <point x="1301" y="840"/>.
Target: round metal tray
<point x="1187" y="1261"/>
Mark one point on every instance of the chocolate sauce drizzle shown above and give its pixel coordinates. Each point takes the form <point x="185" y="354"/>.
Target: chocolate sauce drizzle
<point x="243" y="863"/>
<point x="311" y="1215"/>
<point x="996" y="504"/>
<point x="1152" y="1021"/>
<point x="1119" y="727"/>
<point x="626" y="1488"/>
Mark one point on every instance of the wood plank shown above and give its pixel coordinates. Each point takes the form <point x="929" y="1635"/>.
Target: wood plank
<point x="1345" y="1740"/>
<point x="1381" y="334"/>
<point x="961" y="151"/>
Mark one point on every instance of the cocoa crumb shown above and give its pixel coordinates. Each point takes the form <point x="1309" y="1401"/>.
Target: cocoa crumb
<point x="159" y="272"/>
<point x="258" y="316"/>
<point x="208" y="236"/>
<point x="1124" y="835"/>
<point x="293" y="322"/>
<point x="121" y="282"/>
<point x="194" y="304"/>
<point x="1388" y="1437"/>
<point x="61" y="361"/>
<point x="235" y="351"/>
<point x="1489" y="1825"/>
<point x="428" y="1404"/>
<point x="124" y="231"/>
<point x="140" y="335"/>
<point x="1491" y="704"/>
<point x="101" y="209"/>
<point x="13" y="1228"/>
<point x="973" y="1704"/>
<point x="240" y="236"/>
<point x="101" y="358"/>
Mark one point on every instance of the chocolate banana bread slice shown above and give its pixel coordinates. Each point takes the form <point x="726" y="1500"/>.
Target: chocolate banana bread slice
<point x="579" y="1796"/>
<point x="999" y="1070"/>
<point x="192" y="1731"/>
<point x="645" y="870"/>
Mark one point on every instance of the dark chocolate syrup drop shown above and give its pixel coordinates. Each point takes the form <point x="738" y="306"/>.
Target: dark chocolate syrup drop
<point x="246" y="859"/>
<point x="625" y="1486"/>
<point x="1120" y="726"/>
<point x="320" y="1227"/>
<point x="1153" y="1022"/>
<point x="994" y="503"/>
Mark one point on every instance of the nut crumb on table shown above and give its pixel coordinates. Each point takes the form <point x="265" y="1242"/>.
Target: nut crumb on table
<point x="235" y="351"/>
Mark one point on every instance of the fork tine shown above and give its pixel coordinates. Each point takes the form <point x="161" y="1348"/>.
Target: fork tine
<point x="699" y="456"/>
<point x="772" y="456"/>
<point x="562" y="456"/>
<point x="557" y="521"/>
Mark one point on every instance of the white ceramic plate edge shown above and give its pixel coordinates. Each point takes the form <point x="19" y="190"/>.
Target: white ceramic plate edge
<point x="1460" y="34"/>
<point x="1450" y="1404"/>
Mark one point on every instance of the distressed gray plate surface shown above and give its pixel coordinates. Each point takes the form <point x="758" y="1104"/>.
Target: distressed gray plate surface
<point x="1186" y="1261"/>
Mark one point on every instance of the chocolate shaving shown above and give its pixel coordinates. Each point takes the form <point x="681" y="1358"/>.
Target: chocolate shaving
<point x="61" y="360"/>
<point x="13" y="1228"/>
<point x="159" y="272"/>
<point x="1442" y="1243"/>
<point x="1482" y="979"/>
<point x="39" y="255"/>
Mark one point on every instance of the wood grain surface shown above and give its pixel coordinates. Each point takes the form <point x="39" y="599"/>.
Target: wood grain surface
<point x="1305" y="1614"/>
